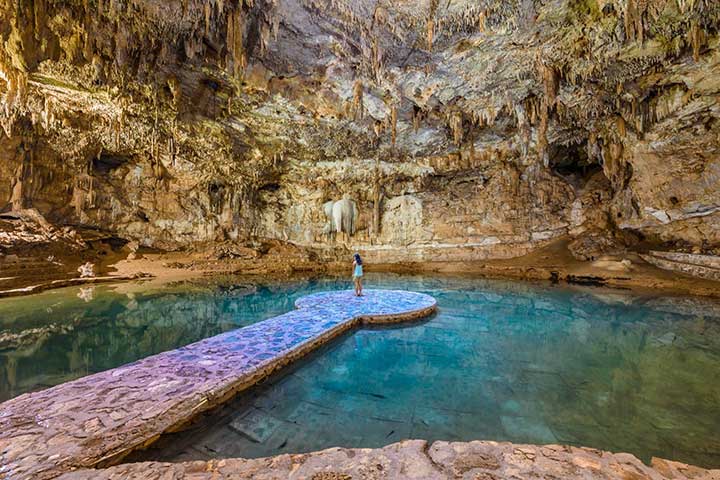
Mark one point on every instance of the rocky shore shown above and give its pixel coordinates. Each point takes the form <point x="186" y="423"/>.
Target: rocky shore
<point x="418" y="460"/>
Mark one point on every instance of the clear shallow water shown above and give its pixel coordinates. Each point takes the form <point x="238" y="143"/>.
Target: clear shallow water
<point x="60" y="335"/>
<point x="500" y="361"/>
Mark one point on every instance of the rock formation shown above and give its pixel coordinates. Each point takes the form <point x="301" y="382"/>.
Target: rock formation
<point x="412" y="459"/>
<point x="342" y="216"/>
<point x="462" y="130"/>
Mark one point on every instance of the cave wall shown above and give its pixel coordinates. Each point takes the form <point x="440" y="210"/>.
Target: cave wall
<point x="474" y="129"/>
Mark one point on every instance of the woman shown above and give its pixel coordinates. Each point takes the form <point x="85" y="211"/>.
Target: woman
<point x="357" y="274"/>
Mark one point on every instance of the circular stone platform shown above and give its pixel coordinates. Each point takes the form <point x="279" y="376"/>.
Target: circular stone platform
<point x="374" y="306"/>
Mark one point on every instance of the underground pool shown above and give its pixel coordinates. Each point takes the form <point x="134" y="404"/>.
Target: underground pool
<point x="521" y="362"/>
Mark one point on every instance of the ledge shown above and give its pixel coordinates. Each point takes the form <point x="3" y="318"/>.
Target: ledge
<point x="97" y="420"/>
<point x="416" y="459"/>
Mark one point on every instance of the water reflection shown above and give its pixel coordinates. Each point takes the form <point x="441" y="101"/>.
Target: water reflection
<point x="61" y="335"/>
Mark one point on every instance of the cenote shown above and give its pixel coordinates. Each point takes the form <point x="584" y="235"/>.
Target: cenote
<point x="505" y="361"/>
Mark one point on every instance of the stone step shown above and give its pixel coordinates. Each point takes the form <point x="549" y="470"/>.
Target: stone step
<point x="711" y="261"/>
<point x="666" y="262"/>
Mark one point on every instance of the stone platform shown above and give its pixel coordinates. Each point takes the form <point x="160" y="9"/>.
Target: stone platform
<point x="97" y="420"/>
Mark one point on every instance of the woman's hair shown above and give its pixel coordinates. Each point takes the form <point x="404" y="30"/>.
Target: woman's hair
<point x="357" y="258"/>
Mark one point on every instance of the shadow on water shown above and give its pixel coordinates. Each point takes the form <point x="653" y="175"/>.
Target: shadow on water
<point x="500" y="361"/>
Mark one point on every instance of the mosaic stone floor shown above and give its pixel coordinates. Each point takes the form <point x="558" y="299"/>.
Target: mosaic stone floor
<point x="97" y="419"/>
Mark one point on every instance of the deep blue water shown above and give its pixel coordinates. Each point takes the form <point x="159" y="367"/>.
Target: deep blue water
<point x="500" y="361"/>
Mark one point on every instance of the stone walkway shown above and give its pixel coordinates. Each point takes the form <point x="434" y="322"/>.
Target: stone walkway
<point x="96" y="420"/>
<point x="416" y="460"/>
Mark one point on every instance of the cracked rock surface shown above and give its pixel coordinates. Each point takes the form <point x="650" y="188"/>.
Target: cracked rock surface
<point x="416" y="459"/>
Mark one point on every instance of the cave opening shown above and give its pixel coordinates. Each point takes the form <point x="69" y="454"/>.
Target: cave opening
<point x="108" y="162"/>
<point x="572" y="161"/>
<point x="216" y="194"/>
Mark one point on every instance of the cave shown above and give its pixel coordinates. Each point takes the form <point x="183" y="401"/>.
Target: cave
<point x="217" y="193"/>
<point x="107" y="162"/>
<point x="572" y="161"/>
<point x="359" y="239"/>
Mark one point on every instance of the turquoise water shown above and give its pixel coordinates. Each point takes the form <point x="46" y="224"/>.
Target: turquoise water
<point x="60" y="335"/>
<point x="500" y="361"/>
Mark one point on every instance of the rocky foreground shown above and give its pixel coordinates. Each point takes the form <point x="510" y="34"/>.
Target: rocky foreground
<point x="416" y="459"/>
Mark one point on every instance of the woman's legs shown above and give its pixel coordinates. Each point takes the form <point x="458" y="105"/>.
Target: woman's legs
<point x="357" y="285"/>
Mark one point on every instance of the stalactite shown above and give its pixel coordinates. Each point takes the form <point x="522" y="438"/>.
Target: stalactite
<point x="377" y="198"/>
<point x="155" y="160"/>
<point x="376" y="60"/>
<point x="430" y="32"/>
<point x="275" y="27"/>
<point x="171" y="150"/>
<point x="357" y="103"/>
<point x="393" y="123"/>
<point x="23" y="172"/>
<point x="208" y="13"/>
<point x="620" y="124"/>
<point x="613" y="166"/>
<point x="633" y="20"/>
<point x="234" y="40"/>
<point x="430" y="25"/>
<point x="16" y="91"/>
<point x="551" y="82"/>
<point x="531" y="107"/>
<point x="542" y="141"/>
<point x="472" y="147"/>
<point x="593" y="149"/>
<point x="175" y="91"/>
<point x="551" y="85"/>
<point x="455" y="122"/>
<point x="90" y="201"/>
<point x="78" y="196"/>
<point x="378" y="129"/>
<point x="264" y="37"/>
<point x="685" y="5"/>
<point x="117" y="125"/>
<point x="523" y="126"/>
<point x="48" y="115"/>
<point x="697" y="38"/>
<point x="380" y="16"/>
<point x="417" y="117"/>
<point x="643" y="114"/>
